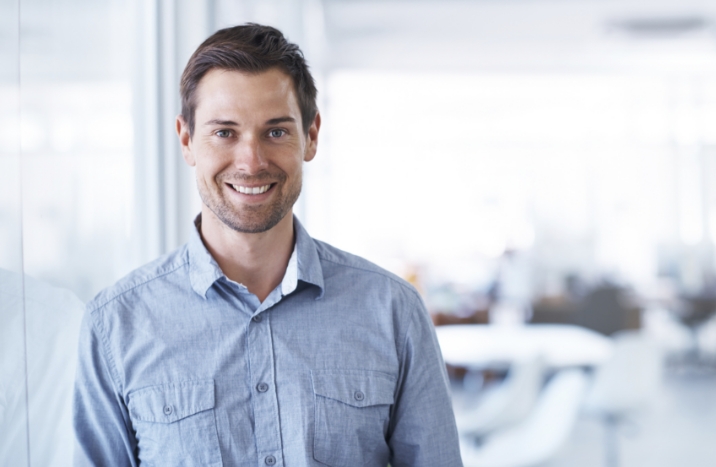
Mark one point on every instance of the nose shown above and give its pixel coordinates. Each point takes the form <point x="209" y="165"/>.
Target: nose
<point x="249" y="156"/>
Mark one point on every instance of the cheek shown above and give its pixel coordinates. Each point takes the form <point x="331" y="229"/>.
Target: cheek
<point x="293" y="171"/>
<point x="209" y="167"/>
<point x="291" y="162"/>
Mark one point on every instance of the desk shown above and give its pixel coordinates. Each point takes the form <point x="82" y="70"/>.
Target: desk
<point x="481" y="346"/>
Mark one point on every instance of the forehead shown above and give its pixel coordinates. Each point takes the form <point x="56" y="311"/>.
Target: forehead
<point x="267" y="92"/>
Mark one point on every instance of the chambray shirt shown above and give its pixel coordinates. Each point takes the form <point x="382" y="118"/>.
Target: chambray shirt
<point x="338" y="366"/>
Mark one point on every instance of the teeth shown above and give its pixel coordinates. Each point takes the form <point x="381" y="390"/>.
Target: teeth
<point x="247" y="190"/>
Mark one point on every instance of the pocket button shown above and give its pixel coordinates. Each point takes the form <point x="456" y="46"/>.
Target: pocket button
<point x="359" y="396"/>
<point x="168" y="410"/>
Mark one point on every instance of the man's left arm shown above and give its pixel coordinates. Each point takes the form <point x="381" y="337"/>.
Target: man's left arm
<point x="422" y="428"/>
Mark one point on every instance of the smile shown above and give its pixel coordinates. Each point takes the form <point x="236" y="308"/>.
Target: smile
<point x="248" y="190"/>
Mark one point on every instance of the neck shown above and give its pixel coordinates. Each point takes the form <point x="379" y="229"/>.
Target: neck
<point x="256" y="260"/>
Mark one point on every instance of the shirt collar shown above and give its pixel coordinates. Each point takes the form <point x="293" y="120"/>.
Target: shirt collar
<point x="309" y="264"/>
<point x="290" y="278"/>
<point x="304" y="264"/>
<point x="203" y="269"/>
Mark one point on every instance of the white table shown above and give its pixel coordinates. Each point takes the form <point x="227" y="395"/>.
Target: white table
<point x="497" y="346"/>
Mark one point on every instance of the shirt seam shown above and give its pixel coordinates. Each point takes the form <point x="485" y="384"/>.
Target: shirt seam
<point x="132" y="287"/>
<point x="405" y="315"/>
<point x="113" y="371"/>
<point x="395" y="280"/>
<point x="402" y="368"/>
<point x="414" y="305"/>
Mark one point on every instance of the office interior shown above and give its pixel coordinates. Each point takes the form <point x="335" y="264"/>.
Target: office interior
<point x="543" y="171"/>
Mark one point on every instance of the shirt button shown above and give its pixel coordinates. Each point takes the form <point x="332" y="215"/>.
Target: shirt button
<point x="270" y="460"/>
<point x="359" y="396"/>
<point x="256" y="319"/>
<point x="168" y="410"/>
<point x="262" y="387"/>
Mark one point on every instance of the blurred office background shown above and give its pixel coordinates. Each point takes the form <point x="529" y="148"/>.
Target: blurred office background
<point x="542" y="170"/>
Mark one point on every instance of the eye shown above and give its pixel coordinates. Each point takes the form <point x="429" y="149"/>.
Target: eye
<point x="277" y="133"/>
<point x="223" y="133"/>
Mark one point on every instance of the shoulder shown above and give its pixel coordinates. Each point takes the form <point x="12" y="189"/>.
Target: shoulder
<point x="338" y="262"/>
<point x="143" y="277"/>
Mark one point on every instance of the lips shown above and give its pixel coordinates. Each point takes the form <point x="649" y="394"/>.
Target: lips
<point x="251" y="190"/>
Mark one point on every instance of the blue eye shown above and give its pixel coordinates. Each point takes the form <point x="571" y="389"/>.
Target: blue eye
<point x="276" y="133"/>
<point x="223" y="133"/>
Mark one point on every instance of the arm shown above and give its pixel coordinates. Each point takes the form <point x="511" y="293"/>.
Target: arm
<point x="423" y="432"/>
<point x="101" y="421"/>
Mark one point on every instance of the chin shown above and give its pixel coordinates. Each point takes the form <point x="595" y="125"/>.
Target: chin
<point x="251" y="223"/>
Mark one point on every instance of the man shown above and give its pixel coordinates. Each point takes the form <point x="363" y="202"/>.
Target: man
<point x="255" y="344"/>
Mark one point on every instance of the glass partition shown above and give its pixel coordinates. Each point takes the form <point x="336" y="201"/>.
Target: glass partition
<point x="14" y="443"/>
<point x="67" y="199"/>
<point x="78" y="151"/>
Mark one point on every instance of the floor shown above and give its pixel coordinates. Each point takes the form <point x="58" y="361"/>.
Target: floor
<point x="679" y="430"/>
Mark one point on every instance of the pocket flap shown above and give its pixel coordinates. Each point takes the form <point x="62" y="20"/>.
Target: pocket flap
<point x="359" y="388"/>
<point x="167" y="403"/>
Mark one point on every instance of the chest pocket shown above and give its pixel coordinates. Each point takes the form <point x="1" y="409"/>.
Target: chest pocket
<point x="352" y="414"/>
<point x="175" y="424"/>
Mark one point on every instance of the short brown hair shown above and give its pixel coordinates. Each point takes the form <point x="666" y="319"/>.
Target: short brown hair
<point x="250" y="48"/>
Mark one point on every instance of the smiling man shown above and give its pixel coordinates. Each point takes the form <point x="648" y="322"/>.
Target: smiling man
<point x="255" y="344"/>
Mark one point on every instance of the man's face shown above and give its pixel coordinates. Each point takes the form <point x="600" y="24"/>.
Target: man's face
<point x="248" y="147"/>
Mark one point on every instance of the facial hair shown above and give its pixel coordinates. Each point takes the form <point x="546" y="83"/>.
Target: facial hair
<point x="253" y="218"/>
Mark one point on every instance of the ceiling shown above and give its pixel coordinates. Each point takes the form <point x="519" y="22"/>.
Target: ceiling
<point x="522" y="35"/>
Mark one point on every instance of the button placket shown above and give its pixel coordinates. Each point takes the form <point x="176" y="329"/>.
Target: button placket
<point x="267" y="425"/>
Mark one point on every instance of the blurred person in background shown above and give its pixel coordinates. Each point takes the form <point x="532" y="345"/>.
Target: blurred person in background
<point x="254" y="344"/>
<point x="37" y="366"/>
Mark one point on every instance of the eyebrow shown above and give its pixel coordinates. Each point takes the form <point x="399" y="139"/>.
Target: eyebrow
<point x="273" y="121"/>
<point x="221" y="122"/>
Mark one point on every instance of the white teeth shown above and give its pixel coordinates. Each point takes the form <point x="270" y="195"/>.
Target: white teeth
<point x="247" y="190"/>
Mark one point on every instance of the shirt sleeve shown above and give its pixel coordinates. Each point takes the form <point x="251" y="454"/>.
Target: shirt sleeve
<point x="423" y="431"/>
<point x="101" y="420"/>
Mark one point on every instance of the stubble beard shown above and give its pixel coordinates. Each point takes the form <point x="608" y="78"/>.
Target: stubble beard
<point x="253" y="219"/>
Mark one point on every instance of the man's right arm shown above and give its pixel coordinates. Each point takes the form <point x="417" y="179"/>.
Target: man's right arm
<point x="101" y="421"/>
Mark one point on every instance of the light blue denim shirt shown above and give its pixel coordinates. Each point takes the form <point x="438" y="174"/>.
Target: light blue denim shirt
<point x="339" y="366"/>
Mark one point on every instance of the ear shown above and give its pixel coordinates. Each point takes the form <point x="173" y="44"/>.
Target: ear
<point x="185" y="140"/>
<point x="312" y="139"/>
